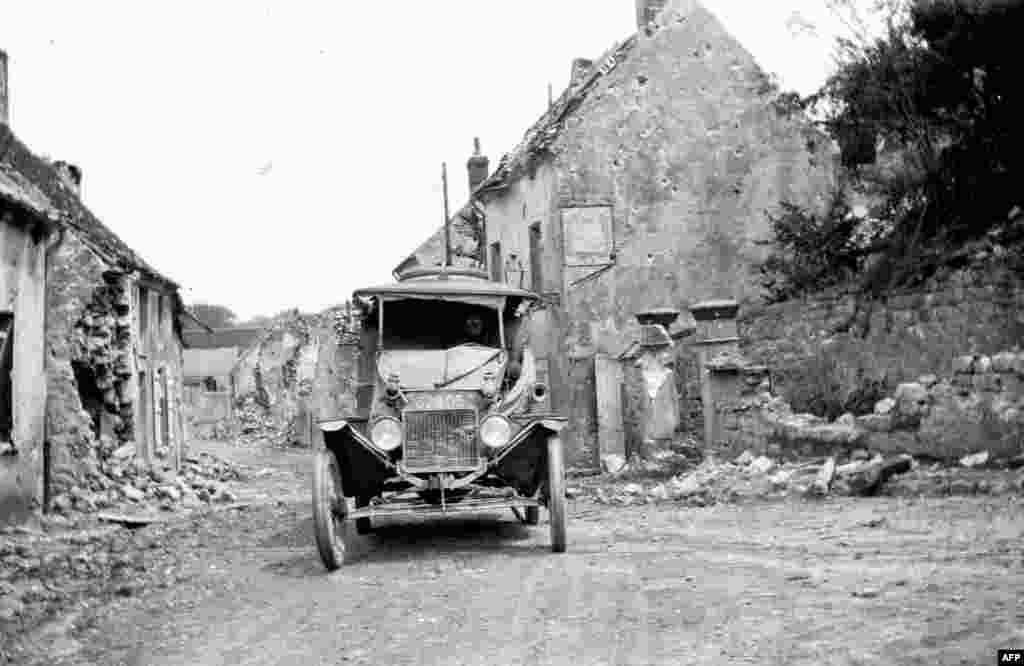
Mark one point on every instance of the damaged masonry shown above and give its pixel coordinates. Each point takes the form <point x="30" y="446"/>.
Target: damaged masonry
<point x="112" y="355"/>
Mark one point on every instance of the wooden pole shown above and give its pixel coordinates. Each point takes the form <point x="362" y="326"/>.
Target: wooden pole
<point x="447" y="233"/>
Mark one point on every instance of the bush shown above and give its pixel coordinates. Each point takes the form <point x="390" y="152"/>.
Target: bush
<point x="824" y="387"/>
<point x="810" y="252"/>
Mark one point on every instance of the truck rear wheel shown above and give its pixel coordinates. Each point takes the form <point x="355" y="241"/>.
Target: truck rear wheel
<point x="556" y="493"/>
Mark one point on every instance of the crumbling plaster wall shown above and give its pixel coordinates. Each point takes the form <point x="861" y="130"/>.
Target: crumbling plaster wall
<point x="682" y="139"/>
<point x="22" y="292"/>
<point x="74" y="274"/>
<point x="93" y="320"/>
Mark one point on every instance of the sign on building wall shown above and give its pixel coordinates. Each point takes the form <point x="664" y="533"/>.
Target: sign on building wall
<point x="587" y="231"/>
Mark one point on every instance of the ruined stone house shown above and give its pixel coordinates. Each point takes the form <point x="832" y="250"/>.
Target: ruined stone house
<point x="210" y="358"/>
<point x="112" y="336"/>
<point x="210" y="355"/>
<point x="644" y="184"/>
<point x="29" y="228"/>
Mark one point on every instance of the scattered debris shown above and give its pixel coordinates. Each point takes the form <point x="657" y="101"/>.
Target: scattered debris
<point x="761" y="465"/>
<point x="866" y="593"/>
<point x="975" y="459"/>
<point x="823" y="483"/>
<point x="613" y="463"/>
<point x="749" y="476"/>
<point x="126" y="487"/>
<point x="128" y="519"/>
<point x="744" y="458"/>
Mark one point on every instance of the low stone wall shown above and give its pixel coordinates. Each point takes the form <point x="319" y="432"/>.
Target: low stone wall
<point x="980" y="407"/>
<point x="907" y="334"/>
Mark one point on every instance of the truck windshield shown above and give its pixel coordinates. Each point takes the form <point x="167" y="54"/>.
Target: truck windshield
<point x="424" y="324"/>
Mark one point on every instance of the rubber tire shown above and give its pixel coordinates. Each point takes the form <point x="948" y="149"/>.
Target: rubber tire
<point x="556" y="493"/>
<point x="328" y="498"/>
<point x="532" y="515"/>
<point x="363" y="525"/>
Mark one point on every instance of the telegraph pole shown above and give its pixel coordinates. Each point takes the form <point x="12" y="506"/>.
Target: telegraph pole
<point x="447" y="233"/>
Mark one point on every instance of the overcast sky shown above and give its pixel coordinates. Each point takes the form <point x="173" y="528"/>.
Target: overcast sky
<point x="269" y="154"/>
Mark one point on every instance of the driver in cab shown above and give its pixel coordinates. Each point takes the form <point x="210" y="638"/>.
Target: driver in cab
<point x="473" y="330"/>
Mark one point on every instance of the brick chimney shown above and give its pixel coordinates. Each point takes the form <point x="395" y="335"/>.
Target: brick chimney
<point x="5" y="118"/>
<point x="647" y="10"/>
<point x="580" y="66"/>
<point x="477" y="166"/>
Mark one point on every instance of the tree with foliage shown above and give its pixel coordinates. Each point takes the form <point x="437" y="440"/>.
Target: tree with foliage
<point x="214" y="316"/>
<point x="937" y="93"/>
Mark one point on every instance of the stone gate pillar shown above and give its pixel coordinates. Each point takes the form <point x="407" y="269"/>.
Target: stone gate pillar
<point x="656" y="360"/>
<point x="716" y="333"/>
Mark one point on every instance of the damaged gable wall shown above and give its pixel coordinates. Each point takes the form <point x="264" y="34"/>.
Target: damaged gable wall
<point x="649" y="180"/>
<point x="681" y="139"/>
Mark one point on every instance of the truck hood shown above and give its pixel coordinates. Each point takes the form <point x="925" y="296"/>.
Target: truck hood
<point x="458" y="368"/>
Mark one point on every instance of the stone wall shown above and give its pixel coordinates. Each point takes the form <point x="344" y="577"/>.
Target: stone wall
<point x="907" y="334"/>
<point x="73" y="276"/>
<point x="979" y="406"/>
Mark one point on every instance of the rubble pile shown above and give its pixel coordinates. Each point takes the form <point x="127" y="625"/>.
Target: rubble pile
<point x="750" y="476"/>
<point x="50" y="564"/>
<point x="117" y="481"/>
<point x="58" y="565"/>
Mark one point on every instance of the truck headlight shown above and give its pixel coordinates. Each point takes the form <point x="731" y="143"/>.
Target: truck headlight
<point x="495" y="431"/>
<point x="386" y="433"/>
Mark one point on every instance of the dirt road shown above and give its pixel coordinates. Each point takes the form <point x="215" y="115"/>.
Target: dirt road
<point x="882" y="581"/>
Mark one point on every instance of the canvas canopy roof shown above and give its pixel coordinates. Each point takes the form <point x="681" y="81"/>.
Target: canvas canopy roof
<point x="457" y="285"/>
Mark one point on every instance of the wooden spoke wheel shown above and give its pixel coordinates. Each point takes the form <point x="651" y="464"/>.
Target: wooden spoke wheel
<point x="329" y="510"/>
<point x="556" y="493"/>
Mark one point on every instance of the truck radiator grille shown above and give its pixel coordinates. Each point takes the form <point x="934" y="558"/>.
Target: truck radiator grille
<point x="440" y="438"/>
